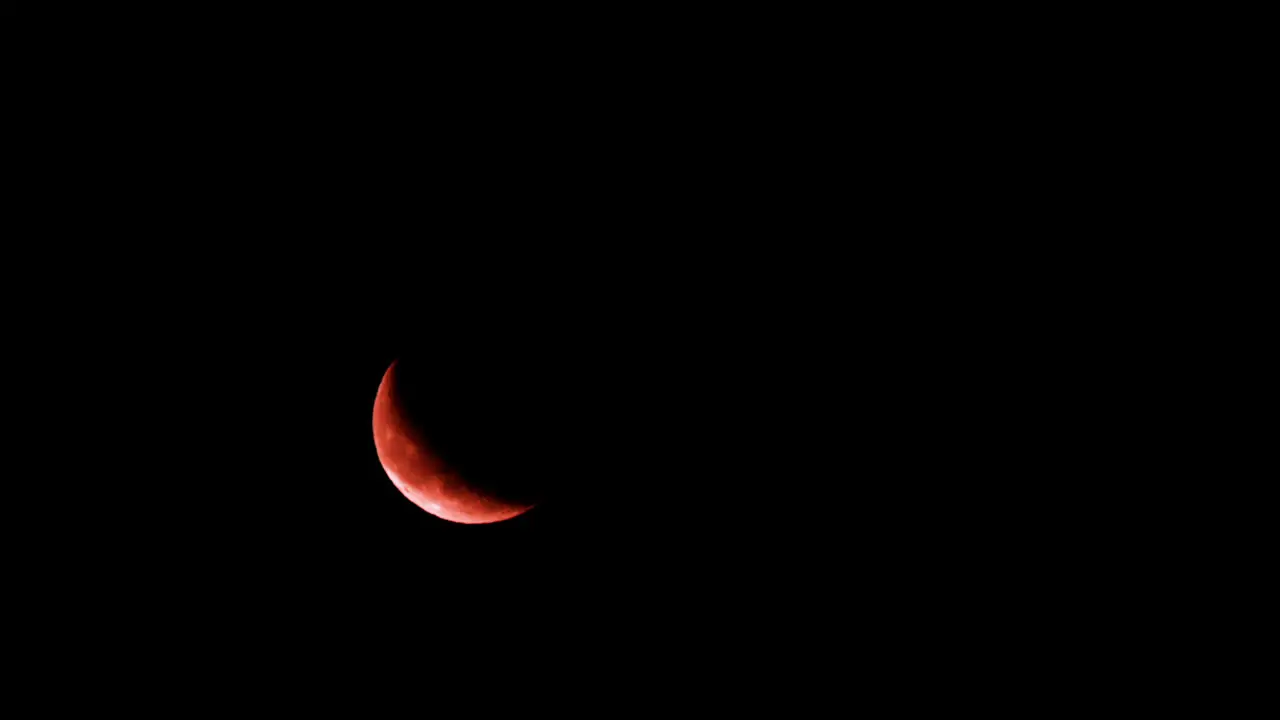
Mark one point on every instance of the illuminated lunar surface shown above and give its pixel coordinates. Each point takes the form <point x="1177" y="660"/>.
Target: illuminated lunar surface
<point x="420" y="475"/>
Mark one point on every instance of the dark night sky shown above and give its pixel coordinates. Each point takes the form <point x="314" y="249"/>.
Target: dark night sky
<point x="754" y="380"/>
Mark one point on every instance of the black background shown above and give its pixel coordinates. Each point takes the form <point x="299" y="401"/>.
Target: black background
<point x="762" y="370"/>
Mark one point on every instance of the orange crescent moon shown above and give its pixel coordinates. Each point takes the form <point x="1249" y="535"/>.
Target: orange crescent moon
<point x="420" y="475"/>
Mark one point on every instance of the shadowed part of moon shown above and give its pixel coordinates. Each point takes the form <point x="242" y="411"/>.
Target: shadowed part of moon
<point x="420" y="473"/>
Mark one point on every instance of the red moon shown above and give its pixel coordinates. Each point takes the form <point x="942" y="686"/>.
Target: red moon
<point x="420" y="474"/>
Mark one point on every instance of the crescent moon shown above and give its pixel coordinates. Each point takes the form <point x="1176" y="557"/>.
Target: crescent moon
<point x="420" y="474"/>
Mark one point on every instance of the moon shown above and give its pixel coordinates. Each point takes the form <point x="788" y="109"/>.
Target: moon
<point x="421" y="473"/>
